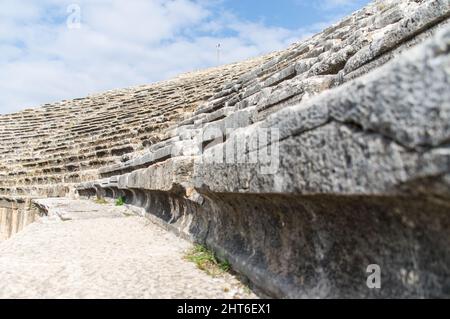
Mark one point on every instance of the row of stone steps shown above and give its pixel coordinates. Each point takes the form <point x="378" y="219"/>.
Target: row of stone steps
<point x="63" y="143"/>
<point x="294" y="75"/>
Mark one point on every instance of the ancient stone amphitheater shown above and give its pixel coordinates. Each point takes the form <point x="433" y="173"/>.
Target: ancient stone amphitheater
<point x="301" y="168"/>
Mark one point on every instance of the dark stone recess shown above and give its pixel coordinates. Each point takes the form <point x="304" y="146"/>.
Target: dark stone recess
<point x="317" y="246"/>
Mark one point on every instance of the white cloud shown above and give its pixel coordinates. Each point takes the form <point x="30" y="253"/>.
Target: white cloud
<point x="120" y="43"/>
<point x="337" y="3"/>
<point x="328" y="5"/>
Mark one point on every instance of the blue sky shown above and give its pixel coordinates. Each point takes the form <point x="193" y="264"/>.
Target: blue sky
<point x="293" y="14"/>
<point x="55" y="49"/>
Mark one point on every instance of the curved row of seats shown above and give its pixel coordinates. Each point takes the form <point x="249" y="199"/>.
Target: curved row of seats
<point x="45" y="150"/>
<point x="337" y="55"/>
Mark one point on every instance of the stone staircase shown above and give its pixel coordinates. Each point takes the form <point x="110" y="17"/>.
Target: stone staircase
<point x="48" y="150"/>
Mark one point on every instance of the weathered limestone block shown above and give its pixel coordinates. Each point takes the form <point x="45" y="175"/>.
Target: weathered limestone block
<point x="15" y="216"/>
<point x="159" y="177"/>
<point x="283" y="93"/>
<point x="304" y="65"/>
<point x="222" y="128"/>
<point x="283" y="75"/>
<point x="5" y="224"/>
<point x="391" y="16"/>
<point x="392" y="53"/>
<point x="393" y="114"/>
<point x="428" y="14"/>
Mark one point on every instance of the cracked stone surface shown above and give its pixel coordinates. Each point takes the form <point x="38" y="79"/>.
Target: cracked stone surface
<point x="94" y="255"/>
<point x="361" y="174"/>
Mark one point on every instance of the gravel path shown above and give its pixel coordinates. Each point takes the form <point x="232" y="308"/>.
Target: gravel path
<point x="102" y="252"/>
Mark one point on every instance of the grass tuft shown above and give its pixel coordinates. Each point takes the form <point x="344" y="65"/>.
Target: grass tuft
<point x="120" y="201"/>
<point x="207" y="261"/>
<point x="101" y="201"/>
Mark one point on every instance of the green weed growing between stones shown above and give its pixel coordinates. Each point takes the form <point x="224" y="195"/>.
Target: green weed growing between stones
<point x="207" y="261"/>
<point x="120" y="201"/>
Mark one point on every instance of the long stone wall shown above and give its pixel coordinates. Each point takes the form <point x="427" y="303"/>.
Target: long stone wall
<point x="301" y="168"/>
